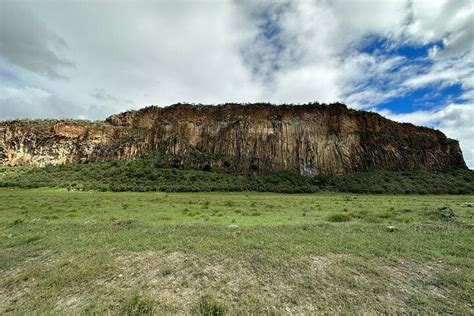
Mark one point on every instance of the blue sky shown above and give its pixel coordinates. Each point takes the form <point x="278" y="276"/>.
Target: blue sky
<point x="422" y="98"/>
<point x="411" y="61"/>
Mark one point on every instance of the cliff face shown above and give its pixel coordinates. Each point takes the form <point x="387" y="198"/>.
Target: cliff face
<point x="311" y="139"/>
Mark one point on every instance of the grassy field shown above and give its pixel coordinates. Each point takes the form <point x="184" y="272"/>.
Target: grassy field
<point x="137" y="253"/>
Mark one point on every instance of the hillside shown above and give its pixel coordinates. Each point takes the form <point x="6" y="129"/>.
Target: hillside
<point x="310" y="139"/>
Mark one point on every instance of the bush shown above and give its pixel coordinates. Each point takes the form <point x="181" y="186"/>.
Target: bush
<point x="143" y="175"/>
<point x="339" y="217"/>
<point x="445" y="213"/>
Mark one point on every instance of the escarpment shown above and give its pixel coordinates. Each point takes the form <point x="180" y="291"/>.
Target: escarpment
<point x="311" y="139"/>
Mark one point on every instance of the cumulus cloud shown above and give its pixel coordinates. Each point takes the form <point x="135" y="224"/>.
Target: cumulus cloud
<point x="26" y="42"/>
<point x="163" y="52"/>
<point x="311" y="50"/>
<point x="304" y="47"/>
<point x="91" y="59"/>
<point x="35" y="101"/>
<point x="144" y="52"/>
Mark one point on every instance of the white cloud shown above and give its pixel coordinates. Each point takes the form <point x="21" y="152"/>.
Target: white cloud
<point x="39" y="103"/>
<point x="91" y="59"/>
<point x="145" y="52"/>
<point x="447" y="71"/>
<point x="440" y="20"/>
<point x="208" y="52"/>
<point x="370" y="79"/>
<point x="26" y="42"/>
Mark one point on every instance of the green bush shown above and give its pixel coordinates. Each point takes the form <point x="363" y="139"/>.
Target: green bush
<point x="144" y="175"/>
<point x="445" y="213"/>
<point x="339" y="217"/>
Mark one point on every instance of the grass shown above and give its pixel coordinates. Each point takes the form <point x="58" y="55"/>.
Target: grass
<point x="209" y="307"/>
<point x="136" y="304"/>
<point x="213" y="253"/>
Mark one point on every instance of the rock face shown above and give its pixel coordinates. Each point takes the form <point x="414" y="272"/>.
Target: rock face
<point x="311" y="139"/>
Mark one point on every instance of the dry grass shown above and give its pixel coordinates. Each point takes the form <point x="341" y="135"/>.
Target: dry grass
<point x="176" y="282"/>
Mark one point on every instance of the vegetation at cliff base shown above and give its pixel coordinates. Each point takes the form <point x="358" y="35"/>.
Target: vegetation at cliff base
<point x="145" y="175"/>
<point x="132" y="253"/>
<point x="405" y="182"/>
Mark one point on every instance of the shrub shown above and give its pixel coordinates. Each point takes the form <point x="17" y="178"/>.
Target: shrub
<point x="339" y="217"/>
<point x="144" y="175"/>
<point x="445" y="213"/>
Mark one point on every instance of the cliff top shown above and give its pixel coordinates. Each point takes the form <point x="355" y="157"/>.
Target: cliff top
<point x="260" y="110"/>
<point x="254" y="110"/>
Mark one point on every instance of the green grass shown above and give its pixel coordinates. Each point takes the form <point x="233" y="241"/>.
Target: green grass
<point x="147" y="175"/>
<point x="136" y="304"/>
<point x="84" y="252"/>
<point x="209" y="307"/>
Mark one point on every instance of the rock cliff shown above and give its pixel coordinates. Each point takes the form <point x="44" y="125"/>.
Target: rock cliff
<point x="311" y="139"/>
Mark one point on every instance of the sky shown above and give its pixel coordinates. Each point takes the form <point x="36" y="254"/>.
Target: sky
<point x="411" y="61"/>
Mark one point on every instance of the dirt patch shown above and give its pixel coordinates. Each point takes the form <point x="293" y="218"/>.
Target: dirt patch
<point x="178" y="280"/>
<point x="175" y="282"/>
<point x="316" y="283"/>
<point x="18" y="283"/>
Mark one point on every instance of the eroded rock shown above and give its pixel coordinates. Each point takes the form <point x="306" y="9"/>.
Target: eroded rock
<point x="311" y="139"/>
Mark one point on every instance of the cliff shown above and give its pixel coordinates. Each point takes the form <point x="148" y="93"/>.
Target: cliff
<point x="311" y="139"/>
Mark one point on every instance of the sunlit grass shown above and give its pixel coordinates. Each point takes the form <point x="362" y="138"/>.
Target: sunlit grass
<point x="64" y="251"/>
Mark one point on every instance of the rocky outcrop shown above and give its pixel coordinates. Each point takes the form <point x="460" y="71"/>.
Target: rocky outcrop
<point x="311" y="139"/>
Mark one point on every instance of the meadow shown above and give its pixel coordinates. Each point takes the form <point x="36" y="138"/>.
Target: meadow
<point x="67" y="251"/>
